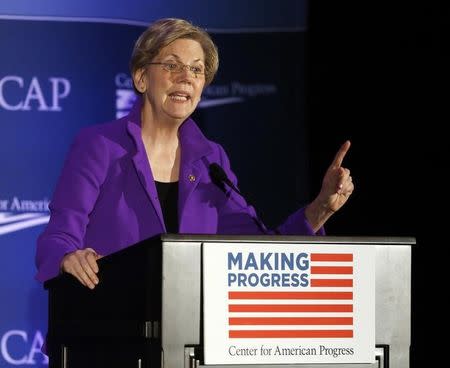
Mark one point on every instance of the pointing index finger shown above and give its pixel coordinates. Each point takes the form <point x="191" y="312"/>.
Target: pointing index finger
<point x="337" y="162"/>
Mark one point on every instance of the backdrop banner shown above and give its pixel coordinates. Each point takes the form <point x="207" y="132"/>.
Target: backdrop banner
<point x="59" y="76"/>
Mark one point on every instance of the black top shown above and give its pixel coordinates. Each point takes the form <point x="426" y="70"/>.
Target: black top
<point x="168" y="198"/>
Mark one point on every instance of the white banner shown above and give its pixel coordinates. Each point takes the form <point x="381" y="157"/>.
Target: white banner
<point x="288" y="303"/>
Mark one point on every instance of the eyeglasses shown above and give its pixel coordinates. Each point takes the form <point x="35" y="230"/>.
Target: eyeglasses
<point x="179" y="67"/>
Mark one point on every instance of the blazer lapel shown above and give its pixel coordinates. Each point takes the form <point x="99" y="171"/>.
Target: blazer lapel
<point x="144" y="171"/>
<point x="194" y="146"/>
<point x="190" y="175"/>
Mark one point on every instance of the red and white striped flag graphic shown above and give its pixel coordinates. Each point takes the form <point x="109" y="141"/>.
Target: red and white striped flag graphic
<point x="324" y="309"/>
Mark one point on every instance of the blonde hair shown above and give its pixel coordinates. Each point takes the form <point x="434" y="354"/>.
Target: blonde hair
<point x="163" y="32"/>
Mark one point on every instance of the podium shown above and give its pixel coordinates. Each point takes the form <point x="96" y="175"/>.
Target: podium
<point x="147" y="310"/>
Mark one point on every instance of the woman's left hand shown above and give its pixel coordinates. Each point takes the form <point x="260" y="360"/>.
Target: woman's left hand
<point x="337" y="186"/>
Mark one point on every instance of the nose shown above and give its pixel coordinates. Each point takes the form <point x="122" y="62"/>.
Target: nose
<point x="187" y="69"/>
<point x="185" y="75"/>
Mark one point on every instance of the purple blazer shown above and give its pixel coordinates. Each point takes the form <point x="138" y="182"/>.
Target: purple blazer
<point x="106" y="197"/>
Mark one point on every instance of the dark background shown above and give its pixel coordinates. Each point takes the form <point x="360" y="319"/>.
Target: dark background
<point x="376" y="76"/>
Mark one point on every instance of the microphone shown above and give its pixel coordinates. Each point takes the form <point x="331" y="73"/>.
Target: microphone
<point x="219" y="177"/>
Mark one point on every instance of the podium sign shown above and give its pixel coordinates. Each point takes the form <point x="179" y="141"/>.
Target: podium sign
<point x="288" y="303"/>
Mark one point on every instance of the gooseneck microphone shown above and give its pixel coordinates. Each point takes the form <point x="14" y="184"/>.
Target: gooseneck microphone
<point x="220" y="178"/>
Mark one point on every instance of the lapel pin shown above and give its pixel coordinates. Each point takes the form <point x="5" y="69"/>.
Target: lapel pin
<point x="191" y="178"/>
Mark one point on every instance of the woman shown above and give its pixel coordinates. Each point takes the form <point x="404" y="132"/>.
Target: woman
<point x="148" y="173"/>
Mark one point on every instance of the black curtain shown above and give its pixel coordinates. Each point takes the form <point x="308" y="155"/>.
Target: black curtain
<point x="376" y="76"/>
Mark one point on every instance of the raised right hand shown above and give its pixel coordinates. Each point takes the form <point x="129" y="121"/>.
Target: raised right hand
<point x="83" y="265"/>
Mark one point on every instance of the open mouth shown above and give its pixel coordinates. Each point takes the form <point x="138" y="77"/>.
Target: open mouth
<point x="179" y="96"/>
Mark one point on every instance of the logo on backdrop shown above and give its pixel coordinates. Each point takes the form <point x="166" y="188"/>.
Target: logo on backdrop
<point x="213" y="95"/>
<point x="18" y="214"/>
<point x="125" y="95"/>
<point x="26" y="94"/>
<point x="31" y="352"/>
<point x="234" y="92"/>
